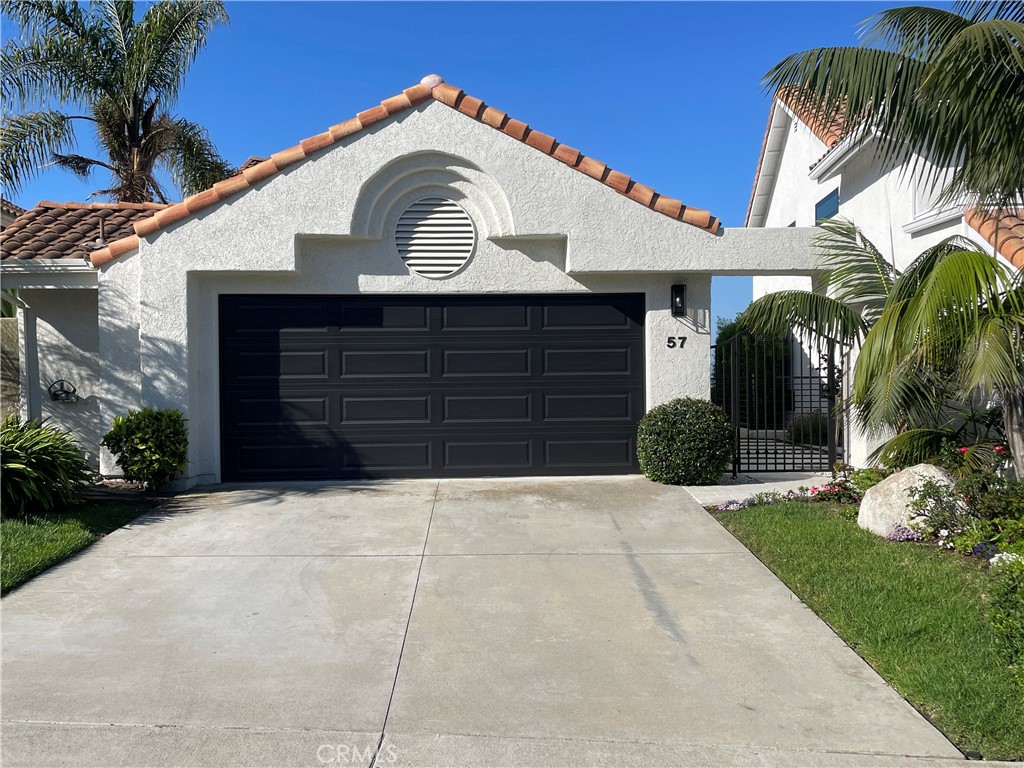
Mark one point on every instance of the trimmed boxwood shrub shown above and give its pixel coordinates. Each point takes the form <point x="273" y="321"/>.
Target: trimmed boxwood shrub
<point x="42" y="467"/>
<point x="150" y="445"/>
<point x="685" y="442"/>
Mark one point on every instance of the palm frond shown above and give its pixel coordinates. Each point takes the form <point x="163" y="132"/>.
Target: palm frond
<point x="914" y="30"/>
<point x="943" y="91"/>
<point x="28" y="141"/>
<point x="192" y="159"/>
<point x="856" y="272"/>
<point x="48" y="18"/>
<point x="914" y="446"/>
<point x="816" y="314"/>
<point x="168" y="38"/>
<point x="992" y="357"/>
<point x="79" y="164"/>
<point x="49" y="69"/>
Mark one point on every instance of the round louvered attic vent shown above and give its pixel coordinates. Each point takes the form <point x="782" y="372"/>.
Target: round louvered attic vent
<point x="435" y="237"/>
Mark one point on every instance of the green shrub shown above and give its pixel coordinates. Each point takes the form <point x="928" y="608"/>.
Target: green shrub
<point x="685" y="442"/>
<point x="863" y="479"/>
<point x="42" y="467"/>
<point x="808" y="429"/>
<point x="982" y="513"/>
<point x="150" y="445"/>
<point x="1007" y="609"/>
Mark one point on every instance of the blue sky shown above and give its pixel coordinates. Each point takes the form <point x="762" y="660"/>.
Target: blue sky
<point x="669" y="93"/>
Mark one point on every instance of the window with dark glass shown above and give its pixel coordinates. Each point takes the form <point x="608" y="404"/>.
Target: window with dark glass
<point x="827" y="207"/>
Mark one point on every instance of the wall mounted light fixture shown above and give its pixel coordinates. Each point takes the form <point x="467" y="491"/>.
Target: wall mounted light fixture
<point x="679" y="300"/>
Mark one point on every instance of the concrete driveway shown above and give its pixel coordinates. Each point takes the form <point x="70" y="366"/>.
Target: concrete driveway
<point x="583" y="621"/>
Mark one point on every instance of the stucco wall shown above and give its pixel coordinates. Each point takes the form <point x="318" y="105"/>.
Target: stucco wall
<point x="68" y="344"/>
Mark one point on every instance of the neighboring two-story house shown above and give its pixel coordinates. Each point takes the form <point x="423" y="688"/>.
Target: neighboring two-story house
<point x="809" y="171"/>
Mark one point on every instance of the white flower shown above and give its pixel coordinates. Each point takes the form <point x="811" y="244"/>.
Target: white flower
<point x="1004" y="558"/>
<point x="943" y="533"/>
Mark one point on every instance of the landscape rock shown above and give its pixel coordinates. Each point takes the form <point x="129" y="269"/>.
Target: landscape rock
<point x="887" y="504"/>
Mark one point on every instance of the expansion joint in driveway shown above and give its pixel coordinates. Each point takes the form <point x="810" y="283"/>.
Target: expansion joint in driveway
<point x="408" y="622"/>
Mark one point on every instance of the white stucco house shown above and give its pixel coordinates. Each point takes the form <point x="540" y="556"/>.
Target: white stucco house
<point x="808" y="171"/>
<point x="431" y="288"/>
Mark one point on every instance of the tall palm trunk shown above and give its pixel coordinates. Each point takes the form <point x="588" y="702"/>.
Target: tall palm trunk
<point x="1013" y="424"/>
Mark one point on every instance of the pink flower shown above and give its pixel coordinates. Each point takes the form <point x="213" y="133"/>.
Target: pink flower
<point x="999" y="450"/>
<point x="964" y="450"/>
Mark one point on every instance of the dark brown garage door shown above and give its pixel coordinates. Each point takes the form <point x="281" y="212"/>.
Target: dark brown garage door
<point x="412" y="386"/>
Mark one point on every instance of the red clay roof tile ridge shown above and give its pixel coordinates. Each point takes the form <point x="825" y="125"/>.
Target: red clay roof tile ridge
<point x="431" y="86"/>
<point x="1005" y="233"/>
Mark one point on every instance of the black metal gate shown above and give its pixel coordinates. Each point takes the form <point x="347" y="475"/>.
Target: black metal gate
<point x="783" y="396"/>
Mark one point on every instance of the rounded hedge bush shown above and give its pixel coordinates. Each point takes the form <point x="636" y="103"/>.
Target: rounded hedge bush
<point x="150" y="446"/>
<point x="685" y="442"/>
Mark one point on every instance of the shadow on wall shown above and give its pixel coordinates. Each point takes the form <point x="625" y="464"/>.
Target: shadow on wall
<point x="10" y="371"/>
<point x="134" y="371"/>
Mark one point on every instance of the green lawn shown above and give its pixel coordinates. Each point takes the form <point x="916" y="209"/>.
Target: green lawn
<point x="916" y="614"/>
<point x="30" y="545"/>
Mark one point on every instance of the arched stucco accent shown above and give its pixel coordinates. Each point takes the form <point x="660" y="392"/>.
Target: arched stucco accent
<point x="387" y="193"/>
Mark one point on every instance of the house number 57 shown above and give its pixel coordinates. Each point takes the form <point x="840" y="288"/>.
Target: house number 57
<point x="676" y="342"/>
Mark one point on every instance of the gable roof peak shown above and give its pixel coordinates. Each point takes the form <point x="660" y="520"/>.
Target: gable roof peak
<point x="431" y="87"/>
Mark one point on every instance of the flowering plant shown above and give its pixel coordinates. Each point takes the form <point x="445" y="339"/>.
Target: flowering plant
<point x="903" y="533"/>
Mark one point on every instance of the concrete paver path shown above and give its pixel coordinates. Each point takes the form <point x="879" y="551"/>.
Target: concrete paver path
<point x="582" y="621"/>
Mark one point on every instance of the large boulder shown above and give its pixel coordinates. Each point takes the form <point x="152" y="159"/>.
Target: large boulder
<point x="887" y="504"/>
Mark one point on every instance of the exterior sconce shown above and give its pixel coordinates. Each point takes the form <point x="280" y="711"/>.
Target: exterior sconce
<point x="679" y="300"/>
<point x="62" y="392"/>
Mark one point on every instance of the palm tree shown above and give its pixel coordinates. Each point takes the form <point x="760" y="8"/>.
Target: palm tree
<point x="957" y="317"/>
<point x="100" y="64"/>
<point x="947" y="332"/>
<point x="944" y="88"/>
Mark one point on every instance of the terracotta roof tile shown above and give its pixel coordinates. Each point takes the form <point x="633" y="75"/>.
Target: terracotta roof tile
<point x="252" y="161"/>
<point x="470" y="105"/>
<point x="515" y="128"/>
<point x="10" y="208"/>
<point x="256" y="169"/>
<point x="593" y="168"/>
<point x="73" y="230"/>
<point x="493" y="117"/>
<point x="829" y="132"/>
<point x="1005" y="234"/>
<point x="566" y="154"/>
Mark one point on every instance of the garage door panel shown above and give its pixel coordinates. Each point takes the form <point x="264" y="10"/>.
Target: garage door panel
<point x="377" y="363"/>
<point x="486" y="317"/>
<point x="484" y="406"/>
<point x="575" y="406"/>
<point x="582" y="452"/>
<point x="274" y="315"/>
<point x="588" y="362"/>
<point x="280" y="411"/>
<point x="486" y="362"/>
<point x="385" y="409"/>
<point x="413" y="386"/>
<point x="598" y="314"/>
<point x="375" y="456"/>
<point x="381" y="318"/>
<point x="488" y="454"/>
